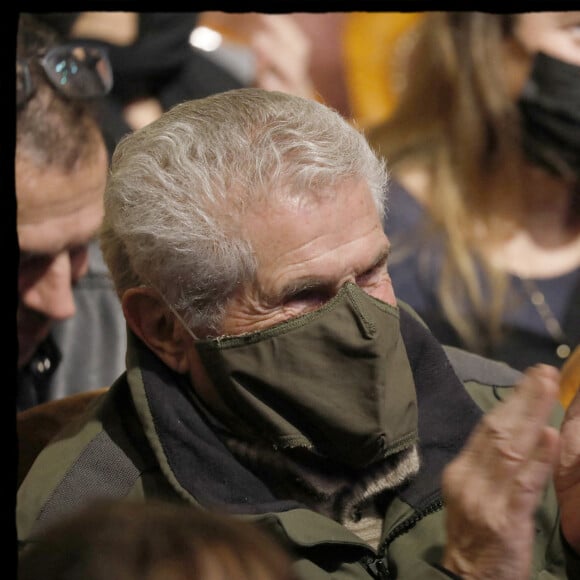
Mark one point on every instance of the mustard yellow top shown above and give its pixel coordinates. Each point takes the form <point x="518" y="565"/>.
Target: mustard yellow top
<point x="375" y="44"/>
<point x="570" y="378"/>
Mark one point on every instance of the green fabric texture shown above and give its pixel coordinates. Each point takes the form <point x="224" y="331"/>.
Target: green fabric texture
<point x="363" y="407"/>
<point x="115" y="450"/>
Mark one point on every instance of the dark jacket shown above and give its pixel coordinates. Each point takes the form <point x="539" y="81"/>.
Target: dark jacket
<point x="145" y="438"/>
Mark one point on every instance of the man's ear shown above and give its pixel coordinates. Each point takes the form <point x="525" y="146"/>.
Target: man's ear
<point x="152" y="321"/>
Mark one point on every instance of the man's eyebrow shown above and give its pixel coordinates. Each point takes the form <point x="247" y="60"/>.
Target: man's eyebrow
<point x="381" y="257"/>
<point x="299" y="285"/>
<point x="302" y="284"/>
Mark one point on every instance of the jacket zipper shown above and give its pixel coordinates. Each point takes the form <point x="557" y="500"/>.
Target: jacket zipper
<point x="379" y="567"/>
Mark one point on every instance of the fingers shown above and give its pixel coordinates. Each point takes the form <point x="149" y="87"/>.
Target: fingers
<point x="492" y="488"/>
<point x="531" y="479"/>
<point x="512" y="441"/>
<point x="282" y="53"/>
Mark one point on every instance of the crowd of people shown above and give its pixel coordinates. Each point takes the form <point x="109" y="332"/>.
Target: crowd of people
<point x="298" y="322"/>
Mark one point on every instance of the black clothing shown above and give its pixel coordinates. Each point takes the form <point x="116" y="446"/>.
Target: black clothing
<point x="161" y="63"/>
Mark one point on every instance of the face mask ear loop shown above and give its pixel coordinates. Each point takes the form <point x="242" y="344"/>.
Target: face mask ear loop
<point x="174" y="312"/>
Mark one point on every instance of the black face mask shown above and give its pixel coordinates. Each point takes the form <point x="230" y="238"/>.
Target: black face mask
<point x="550" y="109"/>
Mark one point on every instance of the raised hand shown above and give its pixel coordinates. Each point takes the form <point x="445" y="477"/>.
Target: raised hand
<point x="494" y="485"/>
<point x="282" y="52"/>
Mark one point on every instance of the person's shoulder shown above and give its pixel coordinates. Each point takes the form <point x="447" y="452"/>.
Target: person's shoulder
<point x="398" y="193"/>
<point x="487" y="381"/>
<point x="101" y="450"/>
<point x="404" y="211"/>
<point x="471" y="367"/>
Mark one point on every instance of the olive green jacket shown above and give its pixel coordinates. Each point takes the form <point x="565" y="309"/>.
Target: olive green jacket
<point x="144" y="438"/>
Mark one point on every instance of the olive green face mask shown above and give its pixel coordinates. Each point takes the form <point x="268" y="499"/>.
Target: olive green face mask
<point x="335" y="381"/>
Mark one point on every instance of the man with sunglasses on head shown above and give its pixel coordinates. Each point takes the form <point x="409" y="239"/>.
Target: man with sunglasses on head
<point x="60" y="171"/>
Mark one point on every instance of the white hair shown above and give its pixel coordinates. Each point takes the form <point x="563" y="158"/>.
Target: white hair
<point x="178" y="190"/>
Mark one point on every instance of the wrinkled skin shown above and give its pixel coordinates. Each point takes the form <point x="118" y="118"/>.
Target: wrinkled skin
<point x="493" y="487"/>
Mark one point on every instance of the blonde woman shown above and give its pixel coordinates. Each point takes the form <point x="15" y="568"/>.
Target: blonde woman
<point x="484" y="153"/>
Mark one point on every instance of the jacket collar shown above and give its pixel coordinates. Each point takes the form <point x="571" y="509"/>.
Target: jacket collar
<point x="201" y="467"/>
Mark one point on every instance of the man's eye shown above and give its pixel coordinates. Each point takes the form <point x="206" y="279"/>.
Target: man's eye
<point x="308" y="295"/>
<point x="371" y="275"/>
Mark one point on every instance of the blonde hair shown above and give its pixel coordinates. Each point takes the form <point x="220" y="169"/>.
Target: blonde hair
<point x="457" y="119"/>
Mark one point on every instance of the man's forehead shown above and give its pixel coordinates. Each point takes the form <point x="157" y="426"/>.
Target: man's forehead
<point x="43" y="193"/>
<point x="56" y="210"/>
<point x="326" y="240"/>
<point x="51" y="236"/>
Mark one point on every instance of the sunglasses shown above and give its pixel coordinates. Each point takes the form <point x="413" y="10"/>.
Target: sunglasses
<point x="76" y="70"/>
